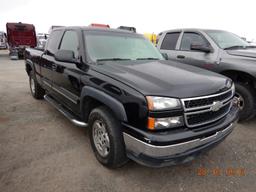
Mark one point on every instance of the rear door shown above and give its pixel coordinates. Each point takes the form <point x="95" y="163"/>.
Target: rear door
<point x="169" y="44"/>
<point x="195" y="57"/>
<point x="66" y="76"/>
<point x="47" y="61"/>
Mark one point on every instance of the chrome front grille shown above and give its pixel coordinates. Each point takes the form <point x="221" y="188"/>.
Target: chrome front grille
<point x="207" y="101"/>
<point x="206" y="109"/>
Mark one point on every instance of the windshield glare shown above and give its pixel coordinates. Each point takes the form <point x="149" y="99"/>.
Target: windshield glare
<point x="226" y="39"/>
<point x="103" y="45"/>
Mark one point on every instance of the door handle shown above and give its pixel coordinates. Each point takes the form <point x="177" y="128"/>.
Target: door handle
<point x="181" y="57"/>
<point x="54" y="67"/>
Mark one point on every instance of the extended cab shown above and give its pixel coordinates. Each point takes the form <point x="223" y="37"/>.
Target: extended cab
<point x="219" y="51"/>
<point x="135" y="103"/>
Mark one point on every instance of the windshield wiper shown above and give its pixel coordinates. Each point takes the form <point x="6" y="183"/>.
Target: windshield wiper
<point x="148" y="58"/>
<point x="240" y="47"/>
<point x="235" y="47"/>
<point x="113" y="59"/>
<point x="251" y="46"/>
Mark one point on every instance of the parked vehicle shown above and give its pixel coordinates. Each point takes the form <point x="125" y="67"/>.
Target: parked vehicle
<point x="135" y="103"/>
<point x="219" y="51"/>
<point x="20" y="35"/>
<point x="3" y="40"/>
<point x="41" y="40"/>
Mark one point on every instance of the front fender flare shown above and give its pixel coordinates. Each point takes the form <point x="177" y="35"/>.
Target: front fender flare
<point x="115" y="105"/>
<point x="30" y="63"/>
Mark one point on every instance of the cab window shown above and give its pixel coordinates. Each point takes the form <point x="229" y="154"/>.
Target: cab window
<point x="190" y="38"/>
<point x="70" y="42"/>
<point x="53" y="42"/>
<point x="170" y="41"/>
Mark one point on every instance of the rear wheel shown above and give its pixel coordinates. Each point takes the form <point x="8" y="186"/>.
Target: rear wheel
<point x="36" y="90"/>
<point x="106" y="138"/>
<point x="246" y="97"/>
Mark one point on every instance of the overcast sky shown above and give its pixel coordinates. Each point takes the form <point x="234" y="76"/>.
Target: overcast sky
<point x="237" y="16"/>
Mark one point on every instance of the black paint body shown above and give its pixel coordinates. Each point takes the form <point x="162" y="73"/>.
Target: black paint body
<point x="122" y="86"/>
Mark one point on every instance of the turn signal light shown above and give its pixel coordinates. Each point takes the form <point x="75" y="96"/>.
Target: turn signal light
<point x="151" y="123"/>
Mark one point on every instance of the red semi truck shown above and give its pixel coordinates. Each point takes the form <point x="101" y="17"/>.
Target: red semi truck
<point x="19" y="36"/>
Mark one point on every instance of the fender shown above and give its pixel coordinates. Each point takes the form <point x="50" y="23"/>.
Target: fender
<point x="30" y="63"/>
<point x="116" y="106"/>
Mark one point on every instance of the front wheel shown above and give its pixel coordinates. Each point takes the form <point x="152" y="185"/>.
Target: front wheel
<point x="106" y="138"/>
<point x="246" y="97"/>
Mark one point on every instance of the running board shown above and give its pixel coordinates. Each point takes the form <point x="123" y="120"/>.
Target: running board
<point x="65" y="112"/>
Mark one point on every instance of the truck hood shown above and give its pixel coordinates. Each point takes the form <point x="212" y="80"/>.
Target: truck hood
<point x="164" y="78"/>
<point x="243" y="52"/>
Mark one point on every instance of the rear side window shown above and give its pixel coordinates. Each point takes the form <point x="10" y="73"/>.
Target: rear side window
<point x="190" y="38"/>
<point x="53" y="42"/>
<point x="70" y="42"/>
<point x="170" y="41"/>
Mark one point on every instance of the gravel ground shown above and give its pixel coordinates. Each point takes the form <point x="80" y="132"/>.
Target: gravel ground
<point x="40" y="150"/>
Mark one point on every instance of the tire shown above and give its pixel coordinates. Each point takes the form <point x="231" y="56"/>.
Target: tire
<point x="36" y="90"/>
<point x="246" y="96"/>
<point x="114" y="154"/>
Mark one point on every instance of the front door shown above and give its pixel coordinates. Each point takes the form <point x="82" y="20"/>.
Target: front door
<point x="66" y="76"/>
<point x="196" y="57"/>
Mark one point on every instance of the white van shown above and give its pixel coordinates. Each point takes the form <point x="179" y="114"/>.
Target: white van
<point x="3" y="40"/>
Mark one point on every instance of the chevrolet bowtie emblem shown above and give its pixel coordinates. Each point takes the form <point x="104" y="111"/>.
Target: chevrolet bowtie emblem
<point x="216" y="106"/>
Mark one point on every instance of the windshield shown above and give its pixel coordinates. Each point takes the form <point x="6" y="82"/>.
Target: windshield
<point x="226" y="39"/>
<point x="119" y="46"/>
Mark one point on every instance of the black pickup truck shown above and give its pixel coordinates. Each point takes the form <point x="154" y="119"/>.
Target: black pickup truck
<point x="136" y="104"/>
<point x="219" y="51"/>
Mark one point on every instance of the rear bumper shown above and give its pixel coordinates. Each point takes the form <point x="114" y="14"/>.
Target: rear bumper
<point x="163" y="155"/>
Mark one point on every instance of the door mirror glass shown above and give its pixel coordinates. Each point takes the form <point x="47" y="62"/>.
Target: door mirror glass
<point x="65" y="56"/>
<point x="203" y="48"/>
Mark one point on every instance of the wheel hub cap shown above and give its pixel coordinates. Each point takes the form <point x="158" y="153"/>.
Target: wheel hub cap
<point x="240" y="101"/>
<point x="100" y="138"/>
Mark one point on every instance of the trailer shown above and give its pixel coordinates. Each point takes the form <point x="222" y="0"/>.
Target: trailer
<point x="20" y="36"/>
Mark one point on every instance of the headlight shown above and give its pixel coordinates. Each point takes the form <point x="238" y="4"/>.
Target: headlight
<point x="162" y="103"/>
<point x="165" y="123"/>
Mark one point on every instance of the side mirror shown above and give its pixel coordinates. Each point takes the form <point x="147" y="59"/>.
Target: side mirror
<point x="202" y="48"/>
<point x="165" y="55"/>
<point x="65" y="56"/>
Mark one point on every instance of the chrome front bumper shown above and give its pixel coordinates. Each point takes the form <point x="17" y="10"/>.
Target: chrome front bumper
<point x="136" y="148"/>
